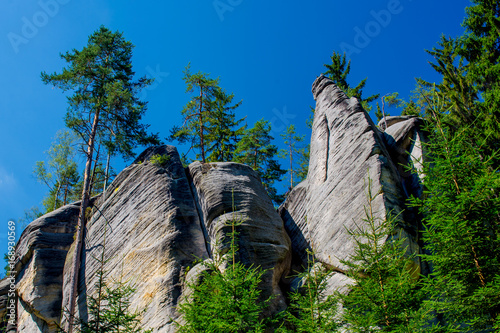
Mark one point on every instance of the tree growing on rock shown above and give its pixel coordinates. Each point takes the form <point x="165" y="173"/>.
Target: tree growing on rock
<point x="338" y="71"/>
<point x="223" y="130"/>
<point x="103" y="107"/>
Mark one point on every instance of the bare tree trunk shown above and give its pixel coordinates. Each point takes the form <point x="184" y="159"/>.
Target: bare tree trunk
<point x="106" y="174"/>
<point x="57" y="195"/>
<point x="200" y="115"/>
<point x="76" y="260"/>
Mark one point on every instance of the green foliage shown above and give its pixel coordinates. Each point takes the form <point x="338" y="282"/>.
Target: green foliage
<point x="311" y="309"/>
<point x="292" y="141"/>
<point x="461" y="206"/>
<point x="223" y="129"/>
<point x="391" y="100"/>
<point x="104" y="93"/>
<point x="338" y="71"/>
<point x="470" y="67"/>
<point x="228" y="297"/>
<point x="160" y="160"/>
<point x="462" y="210"/>
<point x="60" y="173"/>
<point x="210" y="124"/>
<point x="104" y="109"/>
<point x="110" y="311"/>
<point x="256" y="150"/>
<point x="387" y="295"/>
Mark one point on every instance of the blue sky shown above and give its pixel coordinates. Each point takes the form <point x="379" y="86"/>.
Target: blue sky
<point x="267" y="53"/>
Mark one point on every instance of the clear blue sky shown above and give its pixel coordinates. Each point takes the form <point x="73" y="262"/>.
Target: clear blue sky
<point x="267" y="52"/>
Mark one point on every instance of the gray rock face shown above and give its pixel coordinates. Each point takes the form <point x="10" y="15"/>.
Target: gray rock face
<point x="40" y="255"/>
<point x="347" y="149"/>
<point x="157" y="219"/>
<point x="147" y="224"/>
<point x="227" y="191"/>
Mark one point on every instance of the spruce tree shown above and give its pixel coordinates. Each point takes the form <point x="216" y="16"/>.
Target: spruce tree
<point x="256" y="150"/>
<point x="387" y="295"/>
<point x="311" y="309"/>
<point x="223" y="129"/>
<point x="461" y="212"/>
<point x="104" y="108"/>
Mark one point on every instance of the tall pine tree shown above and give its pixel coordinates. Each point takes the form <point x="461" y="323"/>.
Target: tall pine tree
<point x="104" y="107"/>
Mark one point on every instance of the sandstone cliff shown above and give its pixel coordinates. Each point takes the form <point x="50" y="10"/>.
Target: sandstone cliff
<point x="156" y="221"/>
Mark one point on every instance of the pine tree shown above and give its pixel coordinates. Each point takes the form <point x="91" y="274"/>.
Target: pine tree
<point x="338" y="71"/>
<point x="291" y="140"/>
<point x="60" y="173"/>
<point x="103" y="108"/>
<point x="256" y="150"/>
<point x="391" y="100"/>
<point x="387" y="295"/>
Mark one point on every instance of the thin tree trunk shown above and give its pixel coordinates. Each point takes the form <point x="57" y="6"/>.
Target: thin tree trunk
<point x="65" y="194"/>
<point x="94" y="170"/>
<point x="383" y="112"/>
<point x="57" y="195"/>
<point x="291" y="167"/>
<point x="80" y="229"/>
<point x="106" y="174"/>
<point x="200" y="115"/>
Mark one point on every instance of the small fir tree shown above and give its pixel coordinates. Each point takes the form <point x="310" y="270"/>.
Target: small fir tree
<point x="387" y="295"/>
<point x="311" y="309"/>
<point x="227" y="299"/>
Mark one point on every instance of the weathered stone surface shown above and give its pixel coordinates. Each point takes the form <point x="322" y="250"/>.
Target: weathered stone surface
<point x="155" y="221"/>
<point x="405" y="139"/>
<point x="293" y="214"/>
<point x="40" y="255"/>
<point x="148" y="225"/>
<point x="347" y="149"/>
<point x="228" y="191"/>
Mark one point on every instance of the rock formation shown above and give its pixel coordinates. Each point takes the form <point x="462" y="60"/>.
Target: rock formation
<point x="157" y="219"/>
